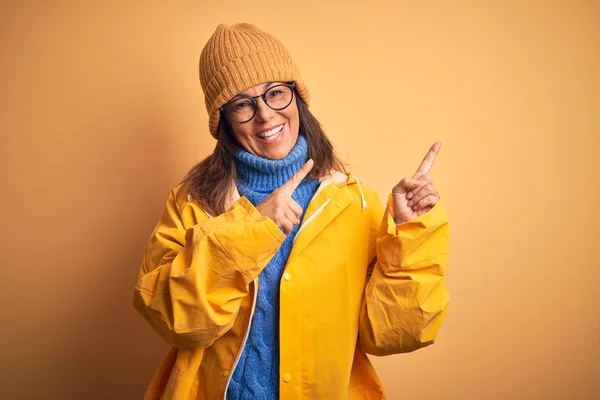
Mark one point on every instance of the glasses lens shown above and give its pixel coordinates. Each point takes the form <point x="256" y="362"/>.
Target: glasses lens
<point x="241" y="110"/>
<point x="279" y="97"/>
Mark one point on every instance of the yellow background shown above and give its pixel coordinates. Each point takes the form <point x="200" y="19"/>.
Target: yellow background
<point x="102" y="113"/>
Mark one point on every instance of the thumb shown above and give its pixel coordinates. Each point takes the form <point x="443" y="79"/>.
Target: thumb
<point x="405" y="185"/>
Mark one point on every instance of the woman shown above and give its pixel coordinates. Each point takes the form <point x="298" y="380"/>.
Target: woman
<point x="273" y="271"/>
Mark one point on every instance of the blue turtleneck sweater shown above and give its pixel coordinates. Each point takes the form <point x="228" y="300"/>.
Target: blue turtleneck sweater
<point x="257" y="373"/>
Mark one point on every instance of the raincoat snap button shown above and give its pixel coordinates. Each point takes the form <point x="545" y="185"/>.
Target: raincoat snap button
<point x="338" y="204"/>
<point x="287" y="378"/>
<point x="287" y="276"/>
<point x="226" y="373"/>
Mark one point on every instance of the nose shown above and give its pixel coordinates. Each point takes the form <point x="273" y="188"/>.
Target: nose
<point x="264" y="113"/>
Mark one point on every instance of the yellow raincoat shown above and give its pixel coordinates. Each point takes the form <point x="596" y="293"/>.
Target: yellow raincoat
<point x="354" y="283"/>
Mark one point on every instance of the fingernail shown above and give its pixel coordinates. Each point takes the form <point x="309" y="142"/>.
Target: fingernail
<point x="409" y="195"/>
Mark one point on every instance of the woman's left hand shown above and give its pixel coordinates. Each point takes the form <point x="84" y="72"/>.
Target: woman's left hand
<point x="417" y="195"/>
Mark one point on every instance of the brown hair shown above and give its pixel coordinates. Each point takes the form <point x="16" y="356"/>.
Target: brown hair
<point x="210" y="181"/>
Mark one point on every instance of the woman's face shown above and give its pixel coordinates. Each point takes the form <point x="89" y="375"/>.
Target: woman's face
<point x="270" y="134"/>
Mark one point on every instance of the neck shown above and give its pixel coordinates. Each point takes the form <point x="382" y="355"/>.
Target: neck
<point x="264" y="175"/>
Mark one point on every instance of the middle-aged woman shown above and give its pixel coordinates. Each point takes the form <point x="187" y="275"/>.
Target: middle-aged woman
<point x="273" y="271"/>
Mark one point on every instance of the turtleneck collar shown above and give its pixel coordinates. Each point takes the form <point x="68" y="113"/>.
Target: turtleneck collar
<point x="264" y="175"/>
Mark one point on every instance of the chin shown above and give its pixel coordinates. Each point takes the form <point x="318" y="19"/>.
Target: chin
<point x="276" y="154"/>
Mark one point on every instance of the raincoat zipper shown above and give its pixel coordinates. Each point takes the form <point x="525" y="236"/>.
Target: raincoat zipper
<point x="311" y="218"/>
<point x="237" y="359"/>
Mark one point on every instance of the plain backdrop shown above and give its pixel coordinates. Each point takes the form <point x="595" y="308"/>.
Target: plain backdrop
<point x="101" y="114"/>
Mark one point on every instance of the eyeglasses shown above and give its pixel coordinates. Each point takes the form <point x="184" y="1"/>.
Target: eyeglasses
<point x="243" y="108"/>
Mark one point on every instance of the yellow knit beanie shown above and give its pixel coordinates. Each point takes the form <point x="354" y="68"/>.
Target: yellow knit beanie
<point x="238" y="57"/>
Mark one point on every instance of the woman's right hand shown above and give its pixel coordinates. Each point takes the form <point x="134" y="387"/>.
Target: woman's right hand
<point x="280" y="206"/>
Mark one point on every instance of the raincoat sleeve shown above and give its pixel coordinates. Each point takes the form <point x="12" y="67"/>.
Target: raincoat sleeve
<point x="405" y="299"/>
<point x="196" y="270"/>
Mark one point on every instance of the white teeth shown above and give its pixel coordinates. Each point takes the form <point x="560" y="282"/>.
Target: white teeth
<point x="271" y="134"/>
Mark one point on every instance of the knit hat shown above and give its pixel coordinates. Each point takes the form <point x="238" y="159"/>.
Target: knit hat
<point x="238" y="57"/>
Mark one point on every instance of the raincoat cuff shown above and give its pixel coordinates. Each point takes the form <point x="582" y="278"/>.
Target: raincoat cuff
<point x="254" y="214"/>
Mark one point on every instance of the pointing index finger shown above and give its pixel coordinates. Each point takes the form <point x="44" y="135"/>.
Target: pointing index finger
<point x="427" y="162"/>
<point x="295" y="180"/>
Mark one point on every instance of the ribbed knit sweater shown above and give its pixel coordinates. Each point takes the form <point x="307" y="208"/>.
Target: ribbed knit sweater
<point x="257" y="373"/>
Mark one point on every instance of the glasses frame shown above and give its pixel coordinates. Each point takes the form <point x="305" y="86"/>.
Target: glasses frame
<point x="225" y="107"/>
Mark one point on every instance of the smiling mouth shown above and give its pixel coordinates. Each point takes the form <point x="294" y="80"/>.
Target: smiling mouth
<point x="272" y="133"/>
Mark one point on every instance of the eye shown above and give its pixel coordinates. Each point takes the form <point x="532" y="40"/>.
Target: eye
<point x="275" y="93"/>
<point x="240" y="105"/>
